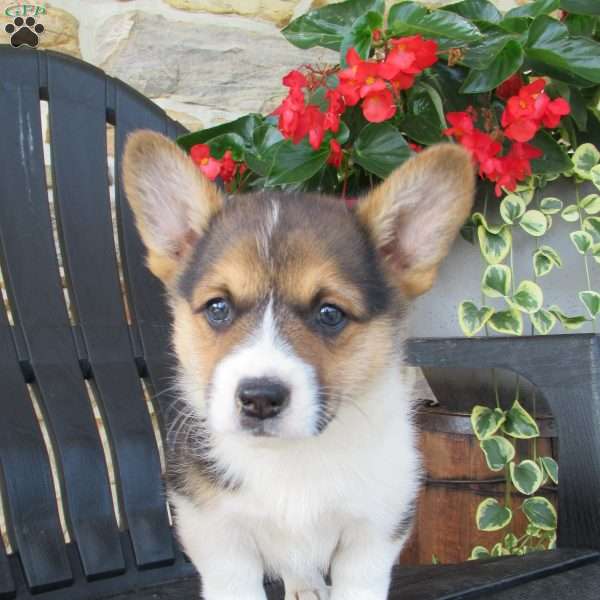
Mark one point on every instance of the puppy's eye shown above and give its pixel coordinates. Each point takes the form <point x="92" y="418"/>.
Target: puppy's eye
<point x="218" y="312"/>
<point x="331" y="317"/>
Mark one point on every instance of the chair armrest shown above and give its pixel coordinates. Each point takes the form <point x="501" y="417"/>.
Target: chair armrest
<point x="566" y="371"/>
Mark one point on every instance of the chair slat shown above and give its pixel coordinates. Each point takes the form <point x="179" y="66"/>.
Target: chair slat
<point x="31" y="504"/>
<point x="40" y="313"/>
<point x="77" y="112"/>
<point x="146" y="295"/>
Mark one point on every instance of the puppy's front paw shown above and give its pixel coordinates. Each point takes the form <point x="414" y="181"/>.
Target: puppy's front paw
<point x="321" y="594"/>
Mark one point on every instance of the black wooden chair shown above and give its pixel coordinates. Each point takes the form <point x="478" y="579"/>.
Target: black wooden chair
<point x="56" y="353"/>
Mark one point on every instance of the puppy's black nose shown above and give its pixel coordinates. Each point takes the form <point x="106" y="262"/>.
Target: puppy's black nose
<point x="262" y="398"/>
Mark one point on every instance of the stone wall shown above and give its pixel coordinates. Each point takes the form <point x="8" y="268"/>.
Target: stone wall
<point x="204" y="61"/>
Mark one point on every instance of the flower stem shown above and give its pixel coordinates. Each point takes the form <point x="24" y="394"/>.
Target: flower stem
<point x="585" y="257"/>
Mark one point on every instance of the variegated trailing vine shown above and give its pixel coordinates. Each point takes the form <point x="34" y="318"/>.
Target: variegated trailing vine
<point x="523" y="300"/>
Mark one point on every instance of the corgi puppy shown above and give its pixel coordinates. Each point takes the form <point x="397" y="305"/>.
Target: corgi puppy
<point x="293" y="453"/>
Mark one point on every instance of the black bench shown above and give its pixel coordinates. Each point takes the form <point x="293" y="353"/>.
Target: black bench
<point x="59" y="354"/>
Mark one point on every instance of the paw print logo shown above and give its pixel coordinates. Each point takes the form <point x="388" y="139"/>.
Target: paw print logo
<point x="24" y="32"/>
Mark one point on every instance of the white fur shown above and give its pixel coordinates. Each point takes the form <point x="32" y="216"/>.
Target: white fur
<point x="266" y="354"/>
<point x="306" y="504"/>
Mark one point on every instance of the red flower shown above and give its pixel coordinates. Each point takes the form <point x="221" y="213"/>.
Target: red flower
<point x="409" y="56"/>
<point x="415" y="147"/>
<point x="379" y="106"/>
<point x="295" y="80"/>
<point x="555" y="110"/>
<point x="336" y="154"/>
<point x="462" y="123"/>
<point x="525" y="112"/>
<point x="510" y="87"/>
<point x="376" y="35"/>
<point x="359" y="78"/>
<point x="228" y="167"/>
<point x="200" y="154"/>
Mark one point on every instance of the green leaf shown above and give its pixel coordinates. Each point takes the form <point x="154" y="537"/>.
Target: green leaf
<point x="554" y="159"/>
<point x="479" y="552"/>
<point x="544" y="259"/>
<point x="533" y="9"/>
<point x="471" y="318"/>
<point x="550" y="466"/>
<point x="494" y="246"/>
<point x="481" y="54"/>
<point x="591" y="204"/>
<point x="550" y="43"/>
<point x="506" y="63"/>
<point x="595" y="249"/>
<point x="499" y="550"/>
<point x="478" y="219"/>
<point x="526" y="476"/>
<point x="540" y="513"/>
<point x="294" y="163"/>
<point x="496" y="281"/>
<point x="327" y="26"/>
<point x="550" y="205"/>
<point x="424" y="119"/>
<point x="498" y="452"/>
<point x="439" y="24"/>
<point x="585" y="157"/>
<point x="534" y="223"/>
<point x="360" y="35"/>
<point x="510" y="541"/>
<point x="528" y="298"/>
<point x="592" y="226"/>
<point x="582" y="241"/>
<point x="406" y="12"/>
<point x="476" y="10"/>
<point x="512" y="208"/>
<point x="570" y="213"/>
<point x="486" y="421"/>
<point x="243" y="127"/>
<point x="533" y="531"/>
<point x="595" y="173"/>
<point x="567" y="322"/>
<point x="543" y="321"/>
<point x="591" y="300"/>
<point x="380" y="148"/>
<point x="507" y="321"/>
<point x="581" y="7"/>
<point x="519" y="423"/>
<point x="491" y="516"/>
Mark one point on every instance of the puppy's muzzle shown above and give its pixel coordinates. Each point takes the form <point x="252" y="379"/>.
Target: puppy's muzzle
<point x="261" y="398"/>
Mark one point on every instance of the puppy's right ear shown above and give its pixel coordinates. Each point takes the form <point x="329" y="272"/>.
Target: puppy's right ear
<point x="171" y="200"/>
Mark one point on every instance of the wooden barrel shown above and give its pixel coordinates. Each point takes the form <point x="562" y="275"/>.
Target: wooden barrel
<point x="457" y="479"/>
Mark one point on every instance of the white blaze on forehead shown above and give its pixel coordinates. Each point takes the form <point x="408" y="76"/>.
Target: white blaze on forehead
<point x="268" y="227"/>
<point x="266" y="354"/>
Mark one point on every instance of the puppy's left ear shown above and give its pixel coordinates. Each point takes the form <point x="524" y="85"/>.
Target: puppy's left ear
<point x="415" y="214"/>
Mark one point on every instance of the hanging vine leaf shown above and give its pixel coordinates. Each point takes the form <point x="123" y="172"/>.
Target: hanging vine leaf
<point x="491" y="516"/>
<point x="526" y="476"/>
<point x="543" y="321"/>
<point x="471" y="318"/>
<point x="528" y="298"/>
<point x="550" y="205"/>
<point x="479" y="552"/>
<point x="494" y="246"/>
<point x="519" y="423"/>
<point x="567" y="322"/>
<point x="496" y="281"/>
<point x="540" y="513"/>
<point x="486" y="421"/>
<point x="550" y="466"/>
<point x="498" y="452"/>
<point x="591" y="300"/>
<point x="534" y="223"/>
<point x="584" y="159"/>
<point x="512" y="208"/>
<point x="544" y="259"/>
<point x="507" y="321"/>
<point x="590" y="204"/>
<point x="582" y="241"/>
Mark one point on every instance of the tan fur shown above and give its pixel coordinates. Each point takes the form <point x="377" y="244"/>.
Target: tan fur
<point x="171" y="200"/>
<point x="415" y="214"/>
